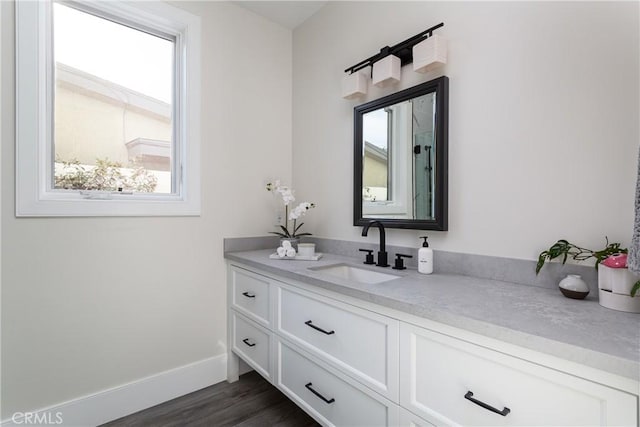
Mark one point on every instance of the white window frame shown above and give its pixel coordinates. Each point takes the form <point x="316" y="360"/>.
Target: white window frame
<point x="34" y="127"/>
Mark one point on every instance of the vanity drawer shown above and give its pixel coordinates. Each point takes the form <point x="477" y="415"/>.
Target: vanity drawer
<point x="327" y="395"/>
<point x="250" y="295"/>
<point x="356" y="341"/>
<point x="407" y="419"/>
<point x="440" y="375"/>
<point x="252" y="343"/>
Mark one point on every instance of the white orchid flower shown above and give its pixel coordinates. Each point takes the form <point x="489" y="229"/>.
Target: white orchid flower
<point x="287" y="197"/>
<point x="300" y="210"/>
<point x="294" y="214"/>
<point x="285" y="192"/>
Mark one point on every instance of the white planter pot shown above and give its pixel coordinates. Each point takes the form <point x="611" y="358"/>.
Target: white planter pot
<point x="615" y="288"/>
<point x="617" y="280"/>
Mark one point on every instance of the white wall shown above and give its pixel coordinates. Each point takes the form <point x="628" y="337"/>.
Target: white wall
<point x="543" y="131"/>
<point x="543" y="119"/>
<point x="92" y="303"/>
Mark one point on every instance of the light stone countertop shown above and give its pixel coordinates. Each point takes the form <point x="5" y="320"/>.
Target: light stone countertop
<point x="540" y="319"/>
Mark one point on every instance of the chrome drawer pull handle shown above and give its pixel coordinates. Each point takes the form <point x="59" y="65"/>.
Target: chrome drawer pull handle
<point x="248" y="295"/>
<point x="328" y="401"/>
<point x="308" y="323"/>
<point x="504" y="412"/>
<point x="246" y="341"/>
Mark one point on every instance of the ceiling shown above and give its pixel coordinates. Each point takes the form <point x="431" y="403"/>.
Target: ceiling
<point x="289" y="14"/>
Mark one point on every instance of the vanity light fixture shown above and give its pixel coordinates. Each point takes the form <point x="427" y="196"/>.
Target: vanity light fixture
<point x="386" y="71"/>
<point x="355" y="84"/>
<point x="430" y="54"/>
<point x="386" y="65"/>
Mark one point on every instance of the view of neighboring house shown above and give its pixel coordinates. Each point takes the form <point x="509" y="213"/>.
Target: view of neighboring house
<point x="375" y="173"/>
<point x="99" y="119"/>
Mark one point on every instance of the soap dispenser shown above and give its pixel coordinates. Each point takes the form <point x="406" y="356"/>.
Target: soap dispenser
<point x="425" y="257"/>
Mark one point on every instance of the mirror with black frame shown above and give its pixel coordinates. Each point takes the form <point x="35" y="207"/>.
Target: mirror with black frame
<point x="400" y="158"/>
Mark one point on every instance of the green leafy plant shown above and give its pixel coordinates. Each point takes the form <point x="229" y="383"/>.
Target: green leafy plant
<point x="635" y="288"/>
<point x="565" y="249"/>
<point x="106" y="175"/>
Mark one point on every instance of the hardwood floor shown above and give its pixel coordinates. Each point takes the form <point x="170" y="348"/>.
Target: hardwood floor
<point x="249" y="402"/>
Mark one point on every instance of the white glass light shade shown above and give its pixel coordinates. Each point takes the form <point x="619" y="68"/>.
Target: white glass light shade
<point x="430" y="54"/>
<point x="355" y="84"/>
<point x="386" y="71"/>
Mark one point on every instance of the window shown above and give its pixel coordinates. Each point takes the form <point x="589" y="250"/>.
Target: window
<point x="107" y="108"/>
<point x="387" y="165"/>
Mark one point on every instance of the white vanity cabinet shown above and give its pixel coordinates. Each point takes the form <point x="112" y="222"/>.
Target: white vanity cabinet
<point x="250" y="295"/>
<point x="336" y="361"/>
<point x="348" y="362"/>
<point x="359" y="342"/>
<point x="452" y="382"/>
<point x="408" y="419"/>
<point x="329" y="396"/>
<point x="254" y="344"/>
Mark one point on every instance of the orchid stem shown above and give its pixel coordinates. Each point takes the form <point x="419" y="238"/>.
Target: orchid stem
<point x="286" y="217"/>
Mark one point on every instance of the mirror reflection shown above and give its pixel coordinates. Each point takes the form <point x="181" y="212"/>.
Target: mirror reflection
<point x="400" y="169"/>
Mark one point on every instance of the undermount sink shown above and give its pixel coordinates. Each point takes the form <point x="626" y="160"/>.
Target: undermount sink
<point x="348" y="272"/>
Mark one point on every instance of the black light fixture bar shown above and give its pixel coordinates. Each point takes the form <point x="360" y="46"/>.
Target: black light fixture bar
<point x="402" y="50"/>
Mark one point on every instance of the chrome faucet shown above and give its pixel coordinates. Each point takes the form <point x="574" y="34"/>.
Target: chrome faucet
<point x="382" y="251"/>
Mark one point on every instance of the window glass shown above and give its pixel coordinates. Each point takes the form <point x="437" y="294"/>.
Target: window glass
<point x="376" y="157"/>
<point x="113" y="106"/>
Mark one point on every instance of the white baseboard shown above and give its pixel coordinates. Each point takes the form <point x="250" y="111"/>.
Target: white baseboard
<point x="111" y="404"/>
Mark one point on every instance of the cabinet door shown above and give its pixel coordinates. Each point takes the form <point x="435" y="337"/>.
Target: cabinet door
<point x="361" y="343"/>
<point x="250" y="295"/>
<point x="449" y="381"/>
<point x="330" y="397"/>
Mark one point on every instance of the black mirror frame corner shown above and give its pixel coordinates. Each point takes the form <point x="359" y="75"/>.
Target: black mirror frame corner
<point x="440" y="86"/>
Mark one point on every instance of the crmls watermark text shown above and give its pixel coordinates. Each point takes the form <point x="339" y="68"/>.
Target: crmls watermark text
<point x="38" y="418"/>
